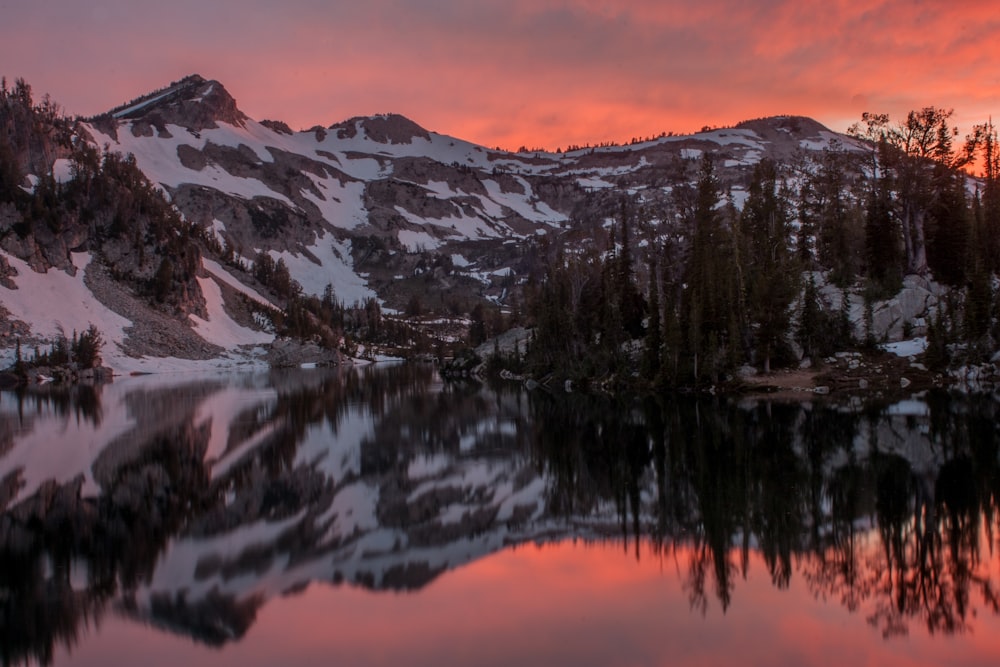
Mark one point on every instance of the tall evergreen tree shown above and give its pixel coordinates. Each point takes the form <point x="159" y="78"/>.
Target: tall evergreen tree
<point x="652" y="359"/>
<point x="772" y="285"/>
<point x="829" y="213"/>
<point x="709" y="294"/>
<point x="988" y="241"/>
<point x="979" y="291"/>
<point x="883" y="257"/>
<point x="629" y="302"/>
<point x="948" y="224"/>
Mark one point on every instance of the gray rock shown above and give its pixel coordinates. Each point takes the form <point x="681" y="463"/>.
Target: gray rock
<point x="287" y="352"/>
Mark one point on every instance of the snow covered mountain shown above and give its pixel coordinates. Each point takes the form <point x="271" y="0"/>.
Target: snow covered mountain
<point x="370" y="203"/>
<point x="370" y="207"/>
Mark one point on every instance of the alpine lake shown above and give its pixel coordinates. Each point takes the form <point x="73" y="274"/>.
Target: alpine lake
<point x="378" y="515"/>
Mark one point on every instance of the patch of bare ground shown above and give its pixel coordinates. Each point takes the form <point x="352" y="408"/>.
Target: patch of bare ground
<point x="876" y="374"/>
<point x="784" y="382"/>
<point x="152" y="334"/>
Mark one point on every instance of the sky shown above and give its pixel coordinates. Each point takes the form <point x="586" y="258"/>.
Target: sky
<point x="512" y="73"/>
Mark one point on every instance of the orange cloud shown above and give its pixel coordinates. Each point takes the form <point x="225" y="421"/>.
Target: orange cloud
<point x="543" y="73"/>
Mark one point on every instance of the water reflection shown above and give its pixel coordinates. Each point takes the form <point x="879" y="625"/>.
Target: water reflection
<point x="191" y="503"/>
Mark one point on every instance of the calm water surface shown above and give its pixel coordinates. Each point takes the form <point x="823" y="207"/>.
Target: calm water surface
<point x="378" y="516"/>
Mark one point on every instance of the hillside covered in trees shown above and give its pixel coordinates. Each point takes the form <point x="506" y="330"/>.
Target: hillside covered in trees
<point x="689" y="288"/>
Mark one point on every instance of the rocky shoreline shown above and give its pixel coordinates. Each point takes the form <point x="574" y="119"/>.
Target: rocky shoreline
<point x="874" y="375"/>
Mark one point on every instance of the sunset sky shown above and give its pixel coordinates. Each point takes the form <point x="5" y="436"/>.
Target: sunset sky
<point x="540" y="73"/>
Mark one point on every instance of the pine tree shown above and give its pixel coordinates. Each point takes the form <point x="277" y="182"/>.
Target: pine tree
<point x="629" y="301"/>
<point x="766" y="223"/>
<point x="651" y="360"/>
<point x="936" y="354"/>
<point x="882" y="245"/>
<point x="988" y="241"/>
<point x="163" y="280"/>
<point x="709" y="296"/>
<point x="948" y="226"/>
<point x="979" y="291"/>
<point x="18" y="361"/>
<point x="830" y="216"/>
<point x="477" y="326"/>
<point x="810" y="318"/>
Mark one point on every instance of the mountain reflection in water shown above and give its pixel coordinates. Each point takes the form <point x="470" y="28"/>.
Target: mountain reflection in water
<point x="195" y="504"/>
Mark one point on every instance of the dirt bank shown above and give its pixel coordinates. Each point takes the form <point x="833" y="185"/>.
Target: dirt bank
<point x="873" y="373"/>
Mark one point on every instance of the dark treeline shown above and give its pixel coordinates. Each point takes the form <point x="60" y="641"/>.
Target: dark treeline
<point x="691" y="286"/>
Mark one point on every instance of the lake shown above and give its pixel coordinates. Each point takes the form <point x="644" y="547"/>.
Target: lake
<point x="380" y="516"/>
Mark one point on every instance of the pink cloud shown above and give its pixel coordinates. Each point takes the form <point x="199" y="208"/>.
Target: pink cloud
<point x="550" y="72"/>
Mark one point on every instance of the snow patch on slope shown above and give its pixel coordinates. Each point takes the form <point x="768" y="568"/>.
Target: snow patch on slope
<point x="219" y="273"/>
<point x="336" y="268"/>
<point x="55" y="303"/>
<point x="219" y="329"/>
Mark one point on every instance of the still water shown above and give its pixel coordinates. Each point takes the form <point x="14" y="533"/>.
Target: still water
<point x="378" y="516"/>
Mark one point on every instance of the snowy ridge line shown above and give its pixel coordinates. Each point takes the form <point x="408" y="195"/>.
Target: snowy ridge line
<point x="142" y="105"/>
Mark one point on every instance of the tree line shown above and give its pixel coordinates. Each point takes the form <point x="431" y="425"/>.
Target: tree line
<point x="713" y="285"/>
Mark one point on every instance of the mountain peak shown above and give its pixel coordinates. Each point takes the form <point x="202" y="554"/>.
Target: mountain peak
<point x="802" y="126"/>
<point x="388" y="128"/>
<point x="193" y="102"/>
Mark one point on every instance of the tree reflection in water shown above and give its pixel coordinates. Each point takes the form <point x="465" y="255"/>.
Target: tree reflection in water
<point x="890" y="511"/>
<point x="873" y="509"/>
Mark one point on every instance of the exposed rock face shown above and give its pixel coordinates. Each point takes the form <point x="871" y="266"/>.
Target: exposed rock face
<point x="43" y="247"/>
<point x="388" y="129"/>
<point x="192" y="103"/>
<point x="154" y="333"/>
<point x="286" y="352"/>
<point x="909" y="311"/>
<point x="382" y="198"/>
<point x="6" y="271"/>
<point x="277" y="126"/>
